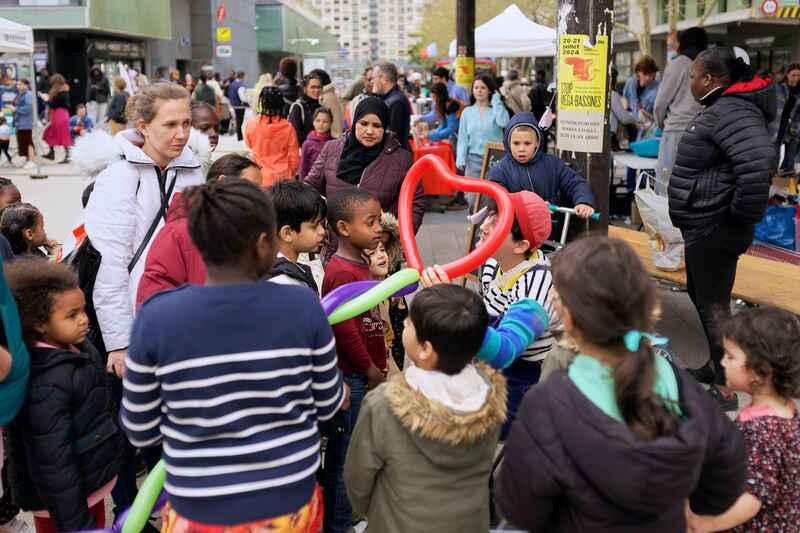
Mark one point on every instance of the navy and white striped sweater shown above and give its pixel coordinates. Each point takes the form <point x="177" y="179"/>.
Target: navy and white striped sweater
<point x="234" y="379"/>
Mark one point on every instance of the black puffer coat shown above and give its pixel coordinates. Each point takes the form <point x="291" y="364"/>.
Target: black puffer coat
<point x="64" y="444"/>
<point x="569" y="467"/>
<point x="725" y="161"/>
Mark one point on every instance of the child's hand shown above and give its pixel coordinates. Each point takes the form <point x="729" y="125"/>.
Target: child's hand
<point x="434" y="275"/>
<point x="584" y="210"/>
<point x="346" y="394"/>
<point x="374" y="377"/>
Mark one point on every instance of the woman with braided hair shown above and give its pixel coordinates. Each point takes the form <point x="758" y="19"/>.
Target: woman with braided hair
<point x="272" y="139"/>
<point x="236" y="404"/>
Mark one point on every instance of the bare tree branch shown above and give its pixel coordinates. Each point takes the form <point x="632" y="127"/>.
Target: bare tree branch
<point x="708" y="11"/>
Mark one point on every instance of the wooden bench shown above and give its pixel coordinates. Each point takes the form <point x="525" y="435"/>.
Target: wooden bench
<point x="758" y="281"/>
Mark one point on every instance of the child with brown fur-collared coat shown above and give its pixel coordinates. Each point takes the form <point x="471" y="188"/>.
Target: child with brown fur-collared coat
<point x="421" y="453"/>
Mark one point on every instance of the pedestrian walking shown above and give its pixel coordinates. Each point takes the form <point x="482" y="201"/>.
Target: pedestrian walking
<point x="235" y="95"/>
<point x="23" y="121"/>
<point x="98" y="93"/>
<point x="56" y="134"/>
<point x="116" y="111"/>
<point x="786" y="126"/>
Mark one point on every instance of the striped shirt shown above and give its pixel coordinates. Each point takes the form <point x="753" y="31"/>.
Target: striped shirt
<point x="530" y="279"/>
<point x="233" y="380"/>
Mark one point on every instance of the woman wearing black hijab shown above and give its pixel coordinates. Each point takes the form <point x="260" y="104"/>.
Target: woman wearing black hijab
<point x="369" y="157"/>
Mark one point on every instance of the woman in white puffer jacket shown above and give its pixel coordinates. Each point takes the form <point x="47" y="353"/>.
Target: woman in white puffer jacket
<point x="128" y="197"/>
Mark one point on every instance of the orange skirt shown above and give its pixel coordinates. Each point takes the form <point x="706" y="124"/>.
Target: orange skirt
<point x="307" y="519"/>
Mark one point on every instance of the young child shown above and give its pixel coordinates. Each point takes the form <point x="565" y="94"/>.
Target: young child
<point x="623" y="438"/>
<point x="762" y="359"/>
<point x="420" y="132"/>
<point x="312" y="146"/>
<point x="354" y="214"/>
<point x="527" y="168"/>
<point x="517" y="271"/>
<point x="80" y="123"/>
<point x="5" y="139"/>
<point x="272" y="139"/>
<point x="237" y="412"/>
<point x="379" y="264"/>
<point x="301" y="215"/>
<point x="9" y="193"/>
<point x="173" y="259"/>
<point x="422" y="450"/>
<point x="23" y="225"/>
<point x="64" y="443"/>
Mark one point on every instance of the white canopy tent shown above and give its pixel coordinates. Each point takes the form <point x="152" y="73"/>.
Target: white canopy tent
<point x="16" y="38"/>
<point x="512" y="34"/>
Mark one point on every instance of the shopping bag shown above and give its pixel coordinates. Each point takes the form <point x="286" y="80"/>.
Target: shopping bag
<point x="666" y="241"/>
<point x="778" y="226"/>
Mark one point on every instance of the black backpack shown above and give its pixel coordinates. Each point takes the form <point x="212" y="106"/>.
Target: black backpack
<point x="86" y="259"/>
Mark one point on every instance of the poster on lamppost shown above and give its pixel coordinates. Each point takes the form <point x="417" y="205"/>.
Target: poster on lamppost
<point x="582" y="76"/>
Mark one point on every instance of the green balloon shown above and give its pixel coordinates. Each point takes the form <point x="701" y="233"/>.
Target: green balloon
<point x="373" y="297"/>
<point x="146" y="499"/>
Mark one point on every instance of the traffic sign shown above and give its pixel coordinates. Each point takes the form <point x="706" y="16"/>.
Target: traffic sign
<point x="224" y="50"/>
<point x="769" y="7"/>
<point x="224" y="34"/>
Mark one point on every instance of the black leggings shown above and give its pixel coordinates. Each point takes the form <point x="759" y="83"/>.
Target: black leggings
<point x="4" y="150"/>
<point x="710" y="273"/>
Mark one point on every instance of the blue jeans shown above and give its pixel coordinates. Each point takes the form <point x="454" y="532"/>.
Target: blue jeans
<point x="520" y="376"/>
<point x="338" y="512"/>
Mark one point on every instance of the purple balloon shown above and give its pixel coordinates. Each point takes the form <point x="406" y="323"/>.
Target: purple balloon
<point x="117" y="527"/>
<point x="347" y="292"/>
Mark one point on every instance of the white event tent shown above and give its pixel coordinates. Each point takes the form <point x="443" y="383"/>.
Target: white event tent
<point x="512" y="34"/>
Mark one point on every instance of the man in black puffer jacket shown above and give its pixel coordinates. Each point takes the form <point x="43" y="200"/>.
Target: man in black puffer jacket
<point x="720" y="183"/>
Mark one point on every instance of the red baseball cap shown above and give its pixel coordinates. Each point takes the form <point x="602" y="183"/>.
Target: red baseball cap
<point x="533" y="217"/>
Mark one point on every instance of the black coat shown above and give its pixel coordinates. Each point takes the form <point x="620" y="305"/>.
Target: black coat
<point x="570" y="468"/>
<point x="399" y="115"/>
<point x="725" y="162"/>
<point x="64" y="443"/>
<point x="301" y="116"/>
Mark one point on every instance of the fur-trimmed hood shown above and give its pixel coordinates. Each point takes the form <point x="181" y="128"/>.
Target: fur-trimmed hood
<point x="394" y="248"/>
<point x="432" y="425"/>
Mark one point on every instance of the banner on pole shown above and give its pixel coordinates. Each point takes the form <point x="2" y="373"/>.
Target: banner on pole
<point x="582" y="76"/>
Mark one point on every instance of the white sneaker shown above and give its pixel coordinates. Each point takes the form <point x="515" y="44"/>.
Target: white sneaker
<point x="16" y="525"/>
<point x="30" y="165"/>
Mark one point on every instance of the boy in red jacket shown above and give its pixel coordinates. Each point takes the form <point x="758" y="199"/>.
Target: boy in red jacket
<point x="355" y="215"/>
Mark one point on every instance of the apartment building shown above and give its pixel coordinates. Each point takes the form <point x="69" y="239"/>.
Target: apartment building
<point x="770" y="36"/>
<point x="369" y="30"/>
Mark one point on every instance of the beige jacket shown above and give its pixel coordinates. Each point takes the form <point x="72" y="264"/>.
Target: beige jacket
<point x="516" y="97"/>
<point x="330" y="100"/>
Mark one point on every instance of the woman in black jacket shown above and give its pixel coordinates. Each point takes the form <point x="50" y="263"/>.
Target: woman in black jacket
<point x="301" y="112"/>
<point x="64" y="445"/>
<point x="720" y="184"/>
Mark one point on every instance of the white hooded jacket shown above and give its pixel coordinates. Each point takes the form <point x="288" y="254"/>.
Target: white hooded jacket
<point x="125" y="201"/>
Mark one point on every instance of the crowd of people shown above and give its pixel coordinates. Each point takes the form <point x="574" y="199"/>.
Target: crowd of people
<point x="186" y="323"/>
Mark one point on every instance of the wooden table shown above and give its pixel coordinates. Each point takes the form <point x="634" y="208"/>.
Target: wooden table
<point x="758" y="281"/>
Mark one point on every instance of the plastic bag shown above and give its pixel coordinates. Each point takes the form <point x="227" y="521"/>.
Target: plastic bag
<point x="666" y="241"/>
<point x="778" y="227"/>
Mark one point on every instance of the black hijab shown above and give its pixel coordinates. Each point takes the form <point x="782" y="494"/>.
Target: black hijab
<point x="355" y="156"/>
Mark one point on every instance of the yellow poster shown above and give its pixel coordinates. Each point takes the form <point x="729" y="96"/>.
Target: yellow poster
<point x="582" y="93"/>
<point x="465" y="71"/>
<point x="224" y="34"/>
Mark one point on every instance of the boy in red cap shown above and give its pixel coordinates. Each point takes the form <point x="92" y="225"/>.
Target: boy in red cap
<point x="517" y="271"/>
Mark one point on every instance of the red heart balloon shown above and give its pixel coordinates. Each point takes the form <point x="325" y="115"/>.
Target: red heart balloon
<point x="459" y="267"/>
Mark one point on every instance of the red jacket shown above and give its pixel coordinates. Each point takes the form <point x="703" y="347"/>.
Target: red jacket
<point x="173" y="259"/>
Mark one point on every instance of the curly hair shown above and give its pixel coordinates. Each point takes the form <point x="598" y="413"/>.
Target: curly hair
<point x="35" y="282"/>
<point x="770" y="338"/>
